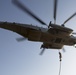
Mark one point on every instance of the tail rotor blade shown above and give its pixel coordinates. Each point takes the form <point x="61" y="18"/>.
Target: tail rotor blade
<point x="25" y="9"/>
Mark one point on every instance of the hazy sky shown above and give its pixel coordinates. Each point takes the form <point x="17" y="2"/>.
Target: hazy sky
<point x="23" y="58"/>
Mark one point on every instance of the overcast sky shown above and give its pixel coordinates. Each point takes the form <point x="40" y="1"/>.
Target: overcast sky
<point x="23" y="58"/>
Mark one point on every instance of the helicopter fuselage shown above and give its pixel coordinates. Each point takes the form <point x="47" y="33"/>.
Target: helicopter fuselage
<point x="54" y="37"/>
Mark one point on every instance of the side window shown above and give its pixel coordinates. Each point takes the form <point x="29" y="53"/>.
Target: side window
<point x="58" y="40"/>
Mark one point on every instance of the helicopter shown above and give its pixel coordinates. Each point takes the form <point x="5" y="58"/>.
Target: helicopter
<point x="53" y="37"/>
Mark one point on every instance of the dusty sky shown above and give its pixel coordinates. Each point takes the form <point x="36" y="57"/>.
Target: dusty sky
<point x="23" y="58"/>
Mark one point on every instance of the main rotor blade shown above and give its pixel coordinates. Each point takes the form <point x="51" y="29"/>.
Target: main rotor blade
<point x="55" y="10"/>
<point x="21" y="39"/>
<point x="25" y="9"/>
<point x="70" y="18"/>
<point x="42" y="51"/>
<point x="74" y="33"/>
<point x="63" y="49"/>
